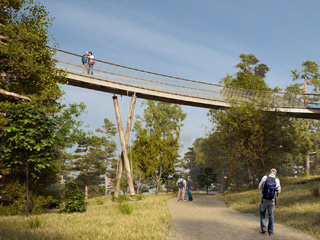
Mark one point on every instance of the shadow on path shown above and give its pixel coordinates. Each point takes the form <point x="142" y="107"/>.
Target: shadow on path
<point x="208" y="218"/>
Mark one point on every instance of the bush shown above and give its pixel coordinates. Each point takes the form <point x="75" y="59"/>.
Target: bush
<point x="34" y="222"/>
<point x="315" y="191"/>
<point x="120" y="199"/>
<point x="125" y="208"/>
<point x="74" y="199"/>
<point x="138" y="197"/>
<point x="13" y="201"/>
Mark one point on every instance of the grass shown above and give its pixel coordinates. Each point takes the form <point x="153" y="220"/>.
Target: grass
<point x="298" y="205"/>
<point x="150" y="219"/>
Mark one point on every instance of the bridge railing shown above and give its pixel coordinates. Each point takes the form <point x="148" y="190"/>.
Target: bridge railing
<point x="107" y="71"/>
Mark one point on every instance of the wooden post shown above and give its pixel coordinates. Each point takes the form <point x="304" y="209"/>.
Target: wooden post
<point x="124" y="144"/>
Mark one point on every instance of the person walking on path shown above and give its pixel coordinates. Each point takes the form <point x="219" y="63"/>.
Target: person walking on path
<point x="189" y="188"/>
<point x="91" y="62"/>
<point x="270" y="186"/>
<point x="181" y="183"/>
<point x="84" y="60"/>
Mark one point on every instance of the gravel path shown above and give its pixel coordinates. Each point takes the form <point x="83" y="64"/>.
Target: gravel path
<point x="208" y="218"/>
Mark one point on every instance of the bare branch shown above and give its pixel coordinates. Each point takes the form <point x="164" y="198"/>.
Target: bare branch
<point x="15" y="95"/>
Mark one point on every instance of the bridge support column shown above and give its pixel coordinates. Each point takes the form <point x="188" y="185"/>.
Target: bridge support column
<point x="124" y="162"/>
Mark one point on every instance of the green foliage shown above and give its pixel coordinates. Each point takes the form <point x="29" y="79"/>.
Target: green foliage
<point x="125" y="208"/>
<point x="155" y="150"/>
<point x="13" y="201"/>
<point x="249" y="62"/>
<point x="28" y="141"/>
<point x="96" y="190"/>
<point x="203" y="176"/>
<point x="248" y="80"/>
<point x="250" y="76"/>
<point x="25" y="58"/>
<point x="246" y="140"/>
<point x="74" y="199"/>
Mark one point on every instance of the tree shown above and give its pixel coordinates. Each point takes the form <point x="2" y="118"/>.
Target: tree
<point x="310" y="76"/>
<point x="28" y="143"/>
<point x="204" y="176"/>
<point x="27" y="64"/>
<point x="109" y="148"/>
<point x="157" y="142"/>
<point x="89" y="162"/>
<point x="74" y="198"/>
<point x="251" y="136"/>
<point x="69" y="133"/>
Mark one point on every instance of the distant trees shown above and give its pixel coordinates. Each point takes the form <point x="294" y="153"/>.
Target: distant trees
<point x="246" y="140"/>
<point x="309" y="77"/>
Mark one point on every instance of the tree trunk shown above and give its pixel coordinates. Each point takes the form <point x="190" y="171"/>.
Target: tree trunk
<point x="106" y="183"/>
<point x="222" y="180"/>
<point x="86" y="191"/>
<point x="27" y="192"/>
<point x="138" y="183"/>
<point x="308" y="163"/>
<point x="124" y="144"/>
<point x="61" y="178"/>
<point x="158" y="186"/>
<point x="229" y="177"/>
<point x="249" y="174"/>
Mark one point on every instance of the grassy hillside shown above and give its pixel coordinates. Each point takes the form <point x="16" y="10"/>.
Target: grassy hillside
<point x="298" y="205"/>
<point x="150" y="219"/>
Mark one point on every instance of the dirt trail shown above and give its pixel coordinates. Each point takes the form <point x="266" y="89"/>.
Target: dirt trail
<point x="208" y="218"/>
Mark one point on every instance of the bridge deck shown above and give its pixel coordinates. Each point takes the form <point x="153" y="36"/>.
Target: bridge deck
<point x="117" y="79"/>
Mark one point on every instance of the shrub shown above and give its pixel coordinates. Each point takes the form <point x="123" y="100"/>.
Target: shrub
<point x="74" y="199"/>
<point x="125" y="208"/>
<point x="138" y="197"/>
<point x="315" y="191"/>
<point x="13" y="201"/>
<point x="34" y="222"/>
<point x="121" y="198"/>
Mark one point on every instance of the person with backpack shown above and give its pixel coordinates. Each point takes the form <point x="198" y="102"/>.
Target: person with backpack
<point x="181" y="183"/>
<point x="270" y="186"/>
<point x="84" y="60"/>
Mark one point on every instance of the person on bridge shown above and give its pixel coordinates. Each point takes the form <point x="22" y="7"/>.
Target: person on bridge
<point x="181" y="183"/>
<point x="91" y="62"/>
<point x="189" y="188"/>
<point x="270" y="186"/>
<point x="84" y="60"/>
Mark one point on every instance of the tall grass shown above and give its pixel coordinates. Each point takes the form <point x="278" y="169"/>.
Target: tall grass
<point x="150" y="219"/>
<point x="298" y="204"/>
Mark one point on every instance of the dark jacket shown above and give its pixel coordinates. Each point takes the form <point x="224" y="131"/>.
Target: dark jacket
<point x="189" y="183"/>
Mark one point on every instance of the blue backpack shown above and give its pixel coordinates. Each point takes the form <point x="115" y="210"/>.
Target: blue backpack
<point x="269" y="188"/>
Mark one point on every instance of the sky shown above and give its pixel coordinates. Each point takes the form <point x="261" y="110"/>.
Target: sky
<point x="194" y="39"/>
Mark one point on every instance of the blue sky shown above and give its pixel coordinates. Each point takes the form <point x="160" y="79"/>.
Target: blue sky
<point x="193" y="39"/>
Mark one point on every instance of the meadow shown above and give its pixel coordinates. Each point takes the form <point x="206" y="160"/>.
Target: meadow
<point x="298" y="205"/>
<point x="145" y="218"/>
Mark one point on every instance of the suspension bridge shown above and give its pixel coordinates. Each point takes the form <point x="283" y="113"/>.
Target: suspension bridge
<point x="122" y="80"/>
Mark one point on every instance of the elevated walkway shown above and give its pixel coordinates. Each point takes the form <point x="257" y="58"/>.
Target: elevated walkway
<point x="117" y="79"/>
